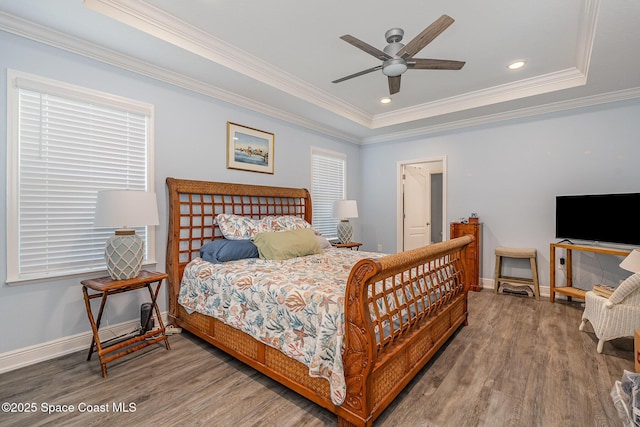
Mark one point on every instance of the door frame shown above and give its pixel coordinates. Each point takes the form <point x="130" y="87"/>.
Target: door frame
<point x="399" y="204"/>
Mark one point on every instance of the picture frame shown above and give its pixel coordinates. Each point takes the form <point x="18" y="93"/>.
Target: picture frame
<point x="249" y="149"/>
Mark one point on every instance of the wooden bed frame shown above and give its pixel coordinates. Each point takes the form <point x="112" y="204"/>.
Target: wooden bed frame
<point x="383" y="350"/>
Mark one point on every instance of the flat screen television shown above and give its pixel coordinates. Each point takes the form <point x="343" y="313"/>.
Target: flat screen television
<point x="606" y="218"/>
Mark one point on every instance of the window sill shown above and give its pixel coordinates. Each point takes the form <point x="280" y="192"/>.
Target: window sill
<point x="66" y="276"/>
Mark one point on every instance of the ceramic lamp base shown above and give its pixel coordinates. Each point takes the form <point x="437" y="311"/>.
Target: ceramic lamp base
<point x="123" y="253"/>
<point x="345" y="231"/>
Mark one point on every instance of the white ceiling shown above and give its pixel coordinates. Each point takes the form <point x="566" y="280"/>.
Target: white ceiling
<point x="279" y="57"/>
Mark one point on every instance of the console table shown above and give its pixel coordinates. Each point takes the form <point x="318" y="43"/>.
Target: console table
<point x="569" y="290"/>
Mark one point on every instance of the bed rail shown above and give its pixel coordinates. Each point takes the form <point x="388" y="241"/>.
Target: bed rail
<point x="403" y="293"/>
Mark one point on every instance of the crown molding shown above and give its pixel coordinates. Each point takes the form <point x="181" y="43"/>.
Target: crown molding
<point x="27" y="29"/>
<point x="554" y="107"/>
<point x="521" y="89"/>
<point x="563" y="79"/>
<point x="154" y="21"/>
<point x="553" y="81"/>
<point x="587" y="35"/>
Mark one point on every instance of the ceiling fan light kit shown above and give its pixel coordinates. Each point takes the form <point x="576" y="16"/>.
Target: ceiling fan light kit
<point x="397" y="58"/>
<point x="394" y="67"/>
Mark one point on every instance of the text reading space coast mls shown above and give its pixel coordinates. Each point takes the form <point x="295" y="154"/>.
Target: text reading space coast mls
<point x="56" y="408"/>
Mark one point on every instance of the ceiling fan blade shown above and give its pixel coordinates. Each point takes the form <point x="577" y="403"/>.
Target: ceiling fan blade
<point x="365" y="47"/>
<point x="434" y="64"/>
<point x="394" y="84"/>
<point x="360" y="73"/>
<point x="425" y="37"/>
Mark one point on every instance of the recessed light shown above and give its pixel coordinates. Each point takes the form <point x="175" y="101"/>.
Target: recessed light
<point x="385" y="100"/>
<point x="516" y="65"/>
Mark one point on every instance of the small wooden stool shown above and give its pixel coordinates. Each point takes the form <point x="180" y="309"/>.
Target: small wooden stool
<point x="530" y="253"/>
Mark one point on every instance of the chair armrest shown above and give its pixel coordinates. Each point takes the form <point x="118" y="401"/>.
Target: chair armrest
<point x="631" y="284"/>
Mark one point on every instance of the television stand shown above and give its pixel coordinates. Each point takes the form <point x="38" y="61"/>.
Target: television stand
<point x="569" y="290"/>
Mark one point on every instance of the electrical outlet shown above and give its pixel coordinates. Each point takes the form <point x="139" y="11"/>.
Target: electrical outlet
<point x="562" y="261"/>
<point x="379" y="247"/>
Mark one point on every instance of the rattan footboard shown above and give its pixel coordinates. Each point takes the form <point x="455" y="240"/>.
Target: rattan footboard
<point x="400" y="309"/>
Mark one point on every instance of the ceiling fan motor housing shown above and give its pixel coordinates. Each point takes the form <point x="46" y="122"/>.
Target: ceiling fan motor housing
<point x="394" y="35"/>
<point x="394" y="66"/>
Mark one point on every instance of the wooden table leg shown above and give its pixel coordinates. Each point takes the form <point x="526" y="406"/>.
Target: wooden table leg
<point x="95" y="326"/>
<point x="154" y="297"/>
<point x="552" y="274"/>
<point x="569" y="271"/>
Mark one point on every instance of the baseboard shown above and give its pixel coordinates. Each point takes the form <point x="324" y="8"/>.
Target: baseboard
<point x="31" y="355"/>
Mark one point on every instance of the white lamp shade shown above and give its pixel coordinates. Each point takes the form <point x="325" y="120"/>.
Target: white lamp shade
<point x="632" y="261"/>
<point x="126" y="208"/>
<point x="345" y="209"/>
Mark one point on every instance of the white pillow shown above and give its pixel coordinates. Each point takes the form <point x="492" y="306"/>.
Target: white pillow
<point x="323" y="242"/>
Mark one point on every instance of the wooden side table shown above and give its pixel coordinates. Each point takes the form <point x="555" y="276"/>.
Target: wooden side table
<point x="106" y="286"/>
<point x="351" y="245"/>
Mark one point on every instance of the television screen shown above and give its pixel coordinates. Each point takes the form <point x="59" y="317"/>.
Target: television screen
<point x="607" y="218"/>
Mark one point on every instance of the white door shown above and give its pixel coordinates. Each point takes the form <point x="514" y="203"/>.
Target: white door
<point x="417" y="209"/>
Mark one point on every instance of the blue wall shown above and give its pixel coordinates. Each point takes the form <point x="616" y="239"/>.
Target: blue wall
<point x="190" y="142"/>
<point x="509" y="173"/>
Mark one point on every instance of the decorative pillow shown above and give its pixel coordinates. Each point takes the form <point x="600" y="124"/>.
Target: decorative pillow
<point x="287" y="244"/>
<point x="236" y="227"/>
<point x="285" y="222"/>
<point x="221" y="250"/>
<point x="323" y="242"/>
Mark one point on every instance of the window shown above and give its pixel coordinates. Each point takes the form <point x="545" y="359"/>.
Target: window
<point x="328" y="184"/>
<point x="64" y="144"/>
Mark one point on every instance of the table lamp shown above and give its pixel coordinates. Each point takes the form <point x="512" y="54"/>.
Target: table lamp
<point x="632" y="261"/>
<point x="124" y="250"/>
<point x="345" y="209"/>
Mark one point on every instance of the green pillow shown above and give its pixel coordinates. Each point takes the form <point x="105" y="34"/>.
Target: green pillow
<point x="287" y="244"/>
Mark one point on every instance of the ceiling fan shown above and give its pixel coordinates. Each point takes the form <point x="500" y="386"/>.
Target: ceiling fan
<point x="397" y="57"/>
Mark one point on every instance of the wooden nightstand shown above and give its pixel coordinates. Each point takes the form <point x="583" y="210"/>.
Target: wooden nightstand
<point x="106" y="286"/>
<point x="351" y="245"/>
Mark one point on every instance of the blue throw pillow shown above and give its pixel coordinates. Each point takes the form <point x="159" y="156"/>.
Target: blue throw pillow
<point x="221" y="250"/>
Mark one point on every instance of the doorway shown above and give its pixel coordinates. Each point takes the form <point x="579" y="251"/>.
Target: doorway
<point x="421" y="202"/>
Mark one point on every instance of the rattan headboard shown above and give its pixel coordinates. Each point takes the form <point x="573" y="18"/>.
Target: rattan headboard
<point x="193" y="206"/>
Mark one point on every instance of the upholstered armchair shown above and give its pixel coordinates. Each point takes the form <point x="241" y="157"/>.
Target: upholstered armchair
<point x="614" y="317"/>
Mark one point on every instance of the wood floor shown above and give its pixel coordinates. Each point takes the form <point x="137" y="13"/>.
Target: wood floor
<point x="520" y="362"/>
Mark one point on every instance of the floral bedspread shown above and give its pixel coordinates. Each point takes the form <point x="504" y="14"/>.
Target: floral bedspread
<point x="295" y="305"/>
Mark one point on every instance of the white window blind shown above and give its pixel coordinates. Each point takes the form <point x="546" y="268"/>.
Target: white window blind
<point x="67" y="144"/>
<point x="328" y="183"/>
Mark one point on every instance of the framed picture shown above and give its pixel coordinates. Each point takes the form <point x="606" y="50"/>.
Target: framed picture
<point x="249" y="149"/>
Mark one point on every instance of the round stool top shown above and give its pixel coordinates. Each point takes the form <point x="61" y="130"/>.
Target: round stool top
<point x="516" y="252"/>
